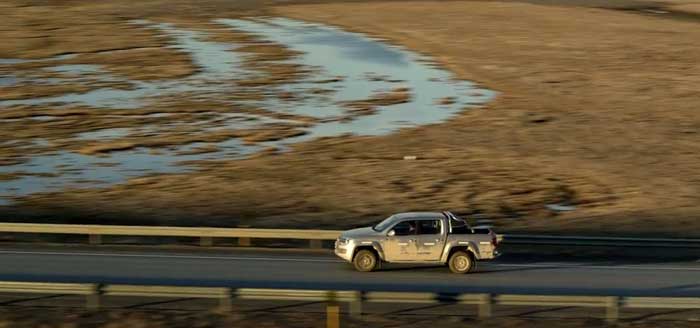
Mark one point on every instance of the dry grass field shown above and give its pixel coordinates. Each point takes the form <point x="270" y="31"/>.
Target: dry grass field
<point x="596" y="107"/>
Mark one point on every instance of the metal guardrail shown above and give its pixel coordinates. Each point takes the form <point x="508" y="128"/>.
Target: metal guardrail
<point x="206" y="235"/>
<point x="49" y="288"/>
<point x="485" y="302"/>
<point x="167" y="231"/>
<point x="599" y="241"/>
<point x="244" y="235"/>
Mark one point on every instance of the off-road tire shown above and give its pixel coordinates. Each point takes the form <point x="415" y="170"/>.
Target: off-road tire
<point x="365" y="261"/>
<point x="461" y="262"/>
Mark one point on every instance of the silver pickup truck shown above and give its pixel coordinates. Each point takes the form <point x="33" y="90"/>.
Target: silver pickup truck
<point x="418" y="237"/>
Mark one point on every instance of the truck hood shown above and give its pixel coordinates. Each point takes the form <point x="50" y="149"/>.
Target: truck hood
<point x="359" y="233"/>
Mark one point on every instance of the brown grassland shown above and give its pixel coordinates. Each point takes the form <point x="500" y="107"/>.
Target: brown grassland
<point x="596" y="107"/>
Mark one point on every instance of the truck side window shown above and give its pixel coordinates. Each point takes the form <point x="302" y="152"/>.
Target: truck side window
<point x="405" y="228"/>
<point x="428" y="227"/>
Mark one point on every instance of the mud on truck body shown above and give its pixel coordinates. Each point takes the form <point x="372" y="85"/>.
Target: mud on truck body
<point x="418" y="237"/>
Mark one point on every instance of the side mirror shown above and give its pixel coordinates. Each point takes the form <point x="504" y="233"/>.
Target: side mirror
<point x="391" y="233"/>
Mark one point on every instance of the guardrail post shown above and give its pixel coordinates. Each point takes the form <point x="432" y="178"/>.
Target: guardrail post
<point x="244" y="241"/>
<point x="92" y="300"/>
<point x="612" y="312"/>
<point x="226" y="302"/>
<point x="316" y="243"/>
<point x="332" y="316"/>
<point x="355" y="305"/>
<point x="95" y="239"/>
<point x="485" y="304"/>
<point x="206" y="241"/>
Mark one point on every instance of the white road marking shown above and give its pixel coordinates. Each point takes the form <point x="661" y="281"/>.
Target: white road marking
<point x="557" y="263"/>
<point x="607" y="267"/>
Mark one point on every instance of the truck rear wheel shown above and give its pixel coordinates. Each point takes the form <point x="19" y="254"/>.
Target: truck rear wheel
<point x="461" y="262"/>
<point x="365" y="261"/>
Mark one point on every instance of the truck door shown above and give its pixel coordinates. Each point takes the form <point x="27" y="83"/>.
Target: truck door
<point x="431" y="239"/>
<point x="402" y="246"/>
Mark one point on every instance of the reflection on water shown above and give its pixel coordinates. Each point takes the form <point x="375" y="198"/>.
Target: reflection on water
<point x="357" y="59"/>
<point x="74" y="69"/>
<point x="346" y="67"/>
<point x="332" y="41"/>
<point x="103" y="134"/>
<point x="71" y="170"/>
<point x="7" y="81"/>
<point x="76" y="170"/>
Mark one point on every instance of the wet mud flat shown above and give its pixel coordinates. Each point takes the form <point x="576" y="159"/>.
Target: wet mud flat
<point x="586" y="115"/>
<point x="286" y="83"/>
<point x="222" y="89"/>
<point x="258" y="84"/>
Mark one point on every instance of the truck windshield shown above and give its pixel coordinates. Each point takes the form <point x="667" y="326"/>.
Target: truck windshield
<point x="381" y="226"/>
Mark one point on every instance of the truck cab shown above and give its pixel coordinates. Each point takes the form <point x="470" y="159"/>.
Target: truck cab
<point x="417" y="237"/>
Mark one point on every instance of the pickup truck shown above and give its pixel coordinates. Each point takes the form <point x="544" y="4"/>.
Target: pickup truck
<point x="418" y="237"/>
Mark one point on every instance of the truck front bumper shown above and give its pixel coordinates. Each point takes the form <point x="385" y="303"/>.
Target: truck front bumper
<point x="344" y="251"/>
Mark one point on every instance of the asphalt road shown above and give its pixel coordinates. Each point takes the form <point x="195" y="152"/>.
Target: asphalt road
<point x="256" y="268"/>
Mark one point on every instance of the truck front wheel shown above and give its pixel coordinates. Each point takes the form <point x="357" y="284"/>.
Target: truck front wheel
<point x="365" y="261"/>
<point x="461" y="262"/>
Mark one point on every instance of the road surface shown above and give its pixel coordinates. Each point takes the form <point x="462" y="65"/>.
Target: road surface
<point x="255" y="268"/>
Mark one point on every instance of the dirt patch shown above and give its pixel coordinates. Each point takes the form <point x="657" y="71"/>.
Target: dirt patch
<point x="32" y="90"/>
<point x="269" y="132"/>
<point x="369" y="106"/>
<point x="10" y="176"/>
<point x="446" y="101"/>
<point x="140" y="63"/>
<point x="201" y="150"/>
<point x="690" y="8"/>
<point x="37" y="32"/>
